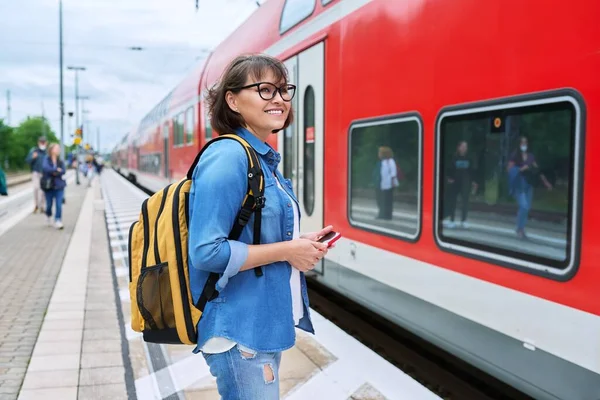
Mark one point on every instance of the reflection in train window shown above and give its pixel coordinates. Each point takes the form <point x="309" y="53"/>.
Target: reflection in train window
<point x="309" y="150"/>
<point x="189" y="126"/>
<point x="506" y="185"/>
<point x="385" y="171"/>
<point x="150" y="163"/>
<point x="207" y="125"/>
<point x="178" y="130"/>
<point x="294" y="12"/>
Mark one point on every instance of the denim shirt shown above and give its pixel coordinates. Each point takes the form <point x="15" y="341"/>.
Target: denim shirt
<point x="255" y="312"/>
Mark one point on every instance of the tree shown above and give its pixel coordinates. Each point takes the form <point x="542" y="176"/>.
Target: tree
<point x="5" y="139"/>
<point x="24" y="137"/>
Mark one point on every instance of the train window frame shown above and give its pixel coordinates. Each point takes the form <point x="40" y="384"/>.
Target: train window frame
<point x="283" y="29"/>
<point x="521" y="262"/>
<point x="189" y="118"/>
<point x="386" y="120"/>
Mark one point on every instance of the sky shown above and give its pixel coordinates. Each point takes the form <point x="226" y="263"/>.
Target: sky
<point x="122" y="85"/>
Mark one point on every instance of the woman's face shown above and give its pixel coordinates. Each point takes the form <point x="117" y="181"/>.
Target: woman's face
<point x="462" y="148"/>
<point x="55" y="151"/>
<point x="261" y="116"/>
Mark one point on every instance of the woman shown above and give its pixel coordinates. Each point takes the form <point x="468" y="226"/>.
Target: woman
<point x="387" y="180"/>
<point x="53" y="184"/>
<point x="523" y="173"/>
<point x="460" y="183"/>
<point x="244" y="330"/>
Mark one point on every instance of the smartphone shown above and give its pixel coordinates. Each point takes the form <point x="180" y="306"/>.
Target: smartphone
<point x="330" y="238"/>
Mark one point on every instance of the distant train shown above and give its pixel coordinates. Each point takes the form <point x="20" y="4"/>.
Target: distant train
<point x="482" y="248"/>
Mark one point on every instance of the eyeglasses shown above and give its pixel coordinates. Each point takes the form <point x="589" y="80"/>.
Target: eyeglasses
<point x="268" y="91"/>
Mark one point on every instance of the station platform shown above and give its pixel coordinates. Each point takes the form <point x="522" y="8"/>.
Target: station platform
<point x="65" y="331"/>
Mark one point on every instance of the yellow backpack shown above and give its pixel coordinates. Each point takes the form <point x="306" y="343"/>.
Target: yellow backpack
<point x="161" y="302"/>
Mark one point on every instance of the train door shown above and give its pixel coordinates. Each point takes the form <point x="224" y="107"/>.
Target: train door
<point x="310" y="137"/>
<point x="165" y="135"/>
<point x="287" y="140"/>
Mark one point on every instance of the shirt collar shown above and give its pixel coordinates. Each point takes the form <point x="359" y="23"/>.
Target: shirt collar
<point x="264" y="149"/>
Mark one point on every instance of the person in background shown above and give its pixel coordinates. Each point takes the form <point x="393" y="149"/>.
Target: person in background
<point x="3" y="185"/>
<point x="523" y="173"/>
<point x="54" y="184"/>
<point x="460" y="182"/>
<point x="386" y="181"/>
<point x="35" y="159"/>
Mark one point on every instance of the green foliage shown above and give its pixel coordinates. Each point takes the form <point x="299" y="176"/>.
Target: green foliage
<point x="15" y="143"/>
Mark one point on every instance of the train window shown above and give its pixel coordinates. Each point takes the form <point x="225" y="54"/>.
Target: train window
<point x="189" y="126"/>
<point x="294" y="12"/>
<point x="178" y="130"/>
<point x="207" y="126"/>
<point x="385" y="176"/>
<point x="309" y="150"/>
<point x="508" y="177"/>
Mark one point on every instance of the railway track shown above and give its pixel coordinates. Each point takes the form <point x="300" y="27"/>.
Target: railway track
<point x="442" y="373"/>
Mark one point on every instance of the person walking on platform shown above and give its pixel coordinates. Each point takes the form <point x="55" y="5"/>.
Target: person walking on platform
<point x="243" y="331"/>
<point x="53" y="184"/>
<point x="35" y="159"/>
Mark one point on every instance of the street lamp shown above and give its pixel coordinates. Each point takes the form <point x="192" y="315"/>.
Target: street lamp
<point x="62" y="104"/>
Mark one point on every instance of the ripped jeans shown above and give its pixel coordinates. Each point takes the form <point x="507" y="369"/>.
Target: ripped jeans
<point x="242" y="375"/>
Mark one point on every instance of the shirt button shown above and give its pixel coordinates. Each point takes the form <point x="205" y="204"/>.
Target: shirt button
<point x="289" y="204"/>
<point x="289" y="233"/>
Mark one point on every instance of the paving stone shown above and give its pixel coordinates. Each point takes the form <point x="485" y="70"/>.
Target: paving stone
<point x="50" y="393"/>
<point x="95" y="360"/>
<point x="51" y="379"/>
<point x="101" y="346"/>
<point x="100" y="334"/>
<point x="54" y="362"/>
<point x="103" y="392"/>
<point x="57" y="348"/>
<point x="101" y="376"/>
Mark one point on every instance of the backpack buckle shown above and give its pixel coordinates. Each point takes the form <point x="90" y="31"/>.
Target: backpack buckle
<point x="259" y="202"/>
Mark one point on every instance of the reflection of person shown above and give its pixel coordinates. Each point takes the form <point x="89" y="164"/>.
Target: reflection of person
<point x="387" y="180"/>
<point x="243" y="331"/>
<point x="54" y="169"/>
<point x="460" y="182"/>
<point x="523" y="171"/>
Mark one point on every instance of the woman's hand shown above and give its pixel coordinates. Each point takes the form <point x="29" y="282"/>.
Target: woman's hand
<point x="315" y="236"/>
<point x="303" y="254"/>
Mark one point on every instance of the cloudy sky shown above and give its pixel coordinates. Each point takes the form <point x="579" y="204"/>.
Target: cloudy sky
<point x="122" y="85"/>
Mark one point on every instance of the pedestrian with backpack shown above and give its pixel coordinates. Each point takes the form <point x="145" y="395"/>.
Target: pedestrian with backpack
<point x="256" y="284"/>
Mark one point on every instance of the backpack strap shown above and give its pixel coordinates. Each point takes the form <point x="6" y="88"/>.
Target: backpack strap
<point x="254" y="201"/>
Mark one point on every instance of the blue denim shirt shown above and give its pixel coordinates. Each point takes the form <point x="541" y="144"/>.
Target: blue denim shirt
<point x="255" y="312"/>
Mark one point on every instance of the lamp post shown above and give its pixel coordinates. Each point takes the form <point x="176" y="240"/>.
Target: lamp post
<point x="62" y="104"/>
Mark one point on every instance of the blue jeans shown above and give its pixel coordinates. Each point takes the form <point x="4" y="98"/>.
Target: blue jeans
<point x="245" y="376"/>
<point x="524" y="199"/>
<point x="56" y="194"/>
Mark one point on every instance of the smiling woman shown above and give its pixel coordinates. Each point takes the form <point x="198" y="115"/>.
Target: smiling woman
<point x="244" y="329"/>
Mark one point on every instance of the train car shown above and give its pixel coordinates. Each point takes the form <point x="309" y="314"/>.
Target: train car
<point x="449" y="142"/>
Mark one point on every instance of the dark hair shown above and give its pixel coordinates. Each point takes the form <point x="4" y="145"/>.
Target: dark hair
<point x="222" y="118"/>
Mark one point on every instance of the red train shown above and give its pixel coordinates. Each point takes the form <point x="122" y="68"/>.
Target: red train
<point x="450" y="91"/>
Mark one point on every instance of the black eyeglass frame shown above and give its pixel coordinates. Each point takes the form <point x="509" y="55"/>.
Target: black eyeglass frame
<point x="277" y="90"/>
